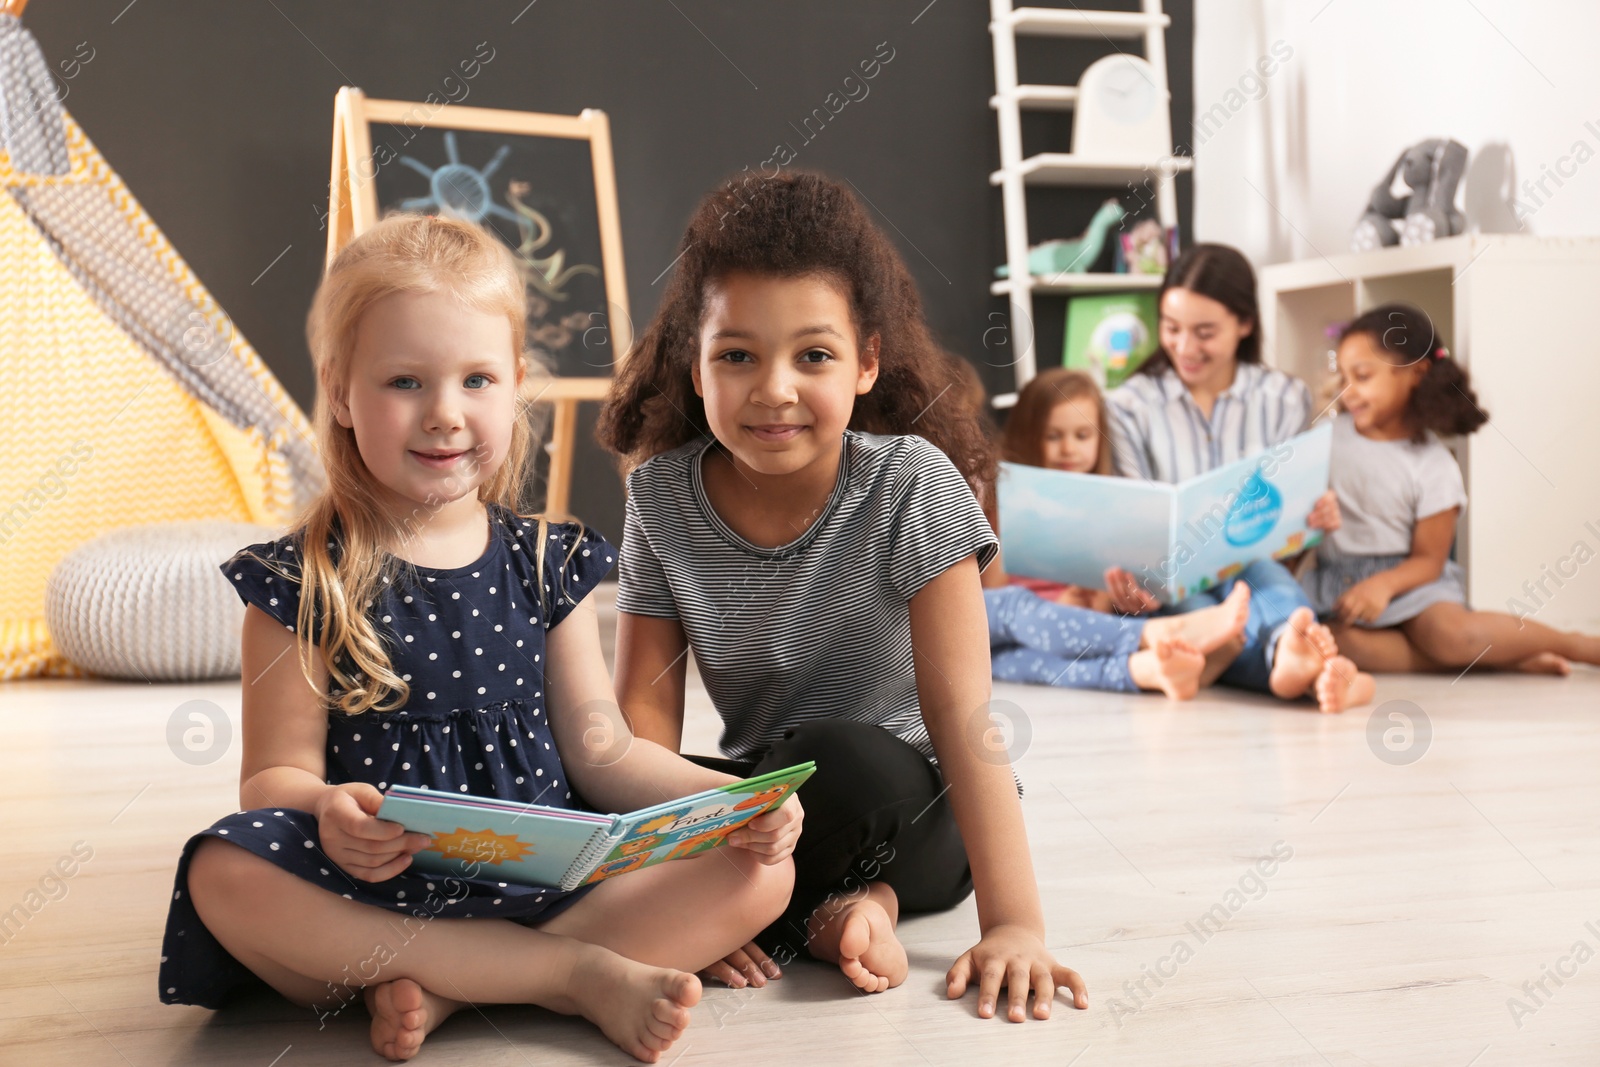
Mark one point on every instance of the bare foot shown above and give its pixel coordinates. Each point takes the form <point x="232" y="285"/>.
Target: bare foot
<point x="403" y="1013"/>
<point x="643" y="1010"/>
<point x="870" y="955"/>
<point x="1545" y="663"/>
<point x="1207" y="628"/>
<point x="1585" y="648"/>
<point x="1342" y="685"/>
<point x="1173" y="666"/>
<point x="860" y="938"/>
<point x="1220" y="659"/>
<point x="1303" y="650"/>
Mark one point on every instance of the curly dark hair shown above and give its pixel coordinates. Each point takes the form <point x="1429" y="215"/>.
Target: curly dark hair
<point x="1222" y="273"/>
<point x="1443" y="400"/>
<point x="794" y="225"/>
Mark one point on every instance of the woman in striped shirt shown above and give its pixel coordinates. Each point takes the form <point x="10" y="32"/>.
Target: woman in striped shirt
<point x="823" y="564"/>
<point x="1201" y="400"/>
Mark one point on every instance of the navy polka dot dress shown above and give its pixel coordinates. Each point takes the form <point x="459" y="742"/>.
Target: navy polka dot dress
<point x="470" y="641"/>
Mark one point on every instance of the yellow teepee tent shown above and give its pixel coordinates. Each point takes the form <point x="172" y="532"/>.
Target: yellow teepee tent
<point x="125" y="393"/>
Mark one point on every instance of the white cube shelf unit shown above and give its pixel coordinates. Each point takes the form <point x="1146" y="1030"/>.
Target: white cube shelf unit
<point x="1516" y="310"/>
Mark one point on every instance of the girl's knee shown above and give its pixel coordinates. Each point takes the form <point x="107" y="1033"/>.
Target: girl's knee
<point x="762" y="889"/>
<point x="777" y="889"/>
<point x="1452" y="646"/>
<point x="222" y="869"/>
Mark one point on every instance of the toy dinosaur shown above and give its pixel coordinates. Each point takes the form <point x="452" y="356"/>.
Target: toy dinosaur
<point x="1074" y="256"/>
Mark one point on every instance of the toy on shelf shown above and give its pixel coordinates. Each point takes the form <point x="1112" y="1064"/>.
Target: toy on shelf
<point x="1144" y="248"/>
<point x="1109" y="336"/>
<point x="1431" y="169"/>
<point x="1073" y="256"/>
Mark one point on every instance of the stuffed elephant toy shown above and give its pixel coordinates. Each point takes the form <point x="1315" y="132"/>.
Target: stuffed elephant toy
<point x="1432" y="170"/>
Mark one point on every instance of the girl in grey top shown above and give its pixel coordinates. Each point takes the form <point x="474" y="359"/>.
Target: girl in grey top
<point x="1385" y="577"/>
<point x="823" y="565"/>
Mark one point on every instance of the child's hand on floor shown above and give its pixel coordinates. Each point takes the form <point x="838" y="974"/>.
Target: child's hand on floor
<point x="771" y="836"/>
<point x="1016" y="958"/>
<point x="1362" y="602"/>
<point x="1325" y="513"/>
<point x="363" y="845"/>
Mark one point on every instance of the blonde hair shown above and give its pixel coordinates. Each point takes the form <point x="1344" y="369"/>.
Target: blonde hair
<point x="402" y="254"/>
<point x="1023" y="441"/>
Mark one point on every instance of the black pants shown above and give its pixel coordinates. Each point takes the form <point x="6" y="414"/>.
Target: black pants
<point x="876" y="811"/>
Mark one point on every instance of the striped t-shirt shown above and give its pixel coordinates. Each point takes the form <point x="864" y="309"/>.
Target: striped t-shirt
<point x="819" y="627"/>
<point x="1159" y="433"/>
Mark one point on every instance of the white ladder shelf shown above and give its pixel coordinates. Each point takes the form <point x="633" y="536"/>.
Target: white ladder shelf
<point x="1017" y="172"/>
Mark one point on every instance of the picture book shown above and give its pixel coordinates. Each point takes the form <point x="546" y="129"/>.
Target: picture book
<point x="482" y="837"/>
<point x="1175" y="539"/>
<point x="1109" y="336"/>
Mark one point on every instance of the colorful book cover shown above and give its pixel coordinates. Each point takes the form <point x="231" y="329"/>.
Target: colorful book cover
<point x="1176" y="539"/>
<point x="1109" y="335"/>
<point x="482" y="837"/>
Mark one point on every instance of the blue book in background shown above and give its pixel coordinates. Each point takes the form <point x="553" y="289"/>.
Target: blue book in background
<point x="1176" y="539"/>
<point x="483" y="837"/>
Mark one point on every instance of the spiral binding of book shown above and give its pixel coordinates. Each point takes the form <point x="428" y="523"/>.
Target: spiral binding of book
<point x="596" y="850"/>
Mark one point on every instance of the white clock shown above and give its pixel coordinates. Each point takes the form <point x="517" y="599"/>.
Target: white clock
<point x="1121" y="112"/>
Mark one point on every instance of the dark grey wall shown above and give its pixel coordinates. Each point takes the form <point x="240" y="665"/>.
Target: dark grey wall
<point x="217" y="115"/>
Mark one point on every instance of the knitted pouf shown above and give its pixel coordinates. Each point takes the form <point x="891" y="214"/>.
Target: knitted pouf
<point x="150" y="603"/>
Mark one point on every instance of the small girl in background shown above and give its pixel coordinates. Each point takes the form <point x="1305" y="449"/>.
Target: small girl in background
<point x="442" y="640"/>
<point x="1060" y="422"/>
<point x="1048" y="633"/>
<point x="1385" y="578"/>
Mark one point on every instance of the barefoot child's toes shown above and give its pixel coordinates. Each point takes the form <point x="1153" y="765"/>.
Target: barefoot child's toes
<point x="1303" y="650"/>
<point x="1322" y="639"/>
<point x="669" y="1014"/>
<point x="680" y="993"/>
<point x="642" y="1009"/>
<point x="1545" y="663"/>
<point x="403" y="1013"/>
<point x="869" y="953"/>
<point x="1178" y="667"/>
<point x="1341" y="685"/>
<point x="860" y="977"/>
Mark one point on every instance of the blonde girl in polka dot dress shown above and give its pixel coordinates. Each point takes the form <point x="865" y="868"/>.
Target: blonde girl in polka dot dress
<point x="473" y="666"/>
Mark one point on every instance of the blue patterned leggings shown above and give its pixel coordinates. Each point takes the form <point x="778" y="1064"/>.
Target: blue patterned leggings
<point x="1041" y="642"/>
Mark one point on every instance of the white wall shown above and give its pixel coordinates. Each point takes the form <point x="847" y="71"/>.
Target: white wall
<point x="1351" y="83"/>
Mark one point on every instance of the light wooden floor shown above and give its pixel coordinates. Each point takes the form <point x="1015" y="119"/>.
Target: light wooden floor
<point x="1417" y="901"/>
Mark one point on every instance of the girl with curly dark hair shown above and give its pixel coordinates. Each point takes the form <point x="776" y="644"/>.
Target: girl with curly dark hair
<point x="1385" y="576"/>
<point x="801" y="513"/>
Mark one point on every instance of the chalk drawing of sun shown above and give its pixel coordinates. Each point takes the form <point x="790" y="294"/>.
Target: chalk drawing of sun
<point x="462" y="191"/>
<point x="457" y="188"/>
<point x="481" y="846"/>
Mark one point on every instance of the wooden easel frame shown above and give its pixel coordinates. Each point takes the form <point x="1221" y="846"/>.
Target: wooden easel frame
<point x="353" y="209"/>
